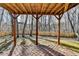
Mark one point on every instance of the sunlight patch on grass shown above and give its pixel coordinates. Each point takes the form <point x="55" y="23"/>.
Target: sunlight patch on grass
<point x="70" y="44"/>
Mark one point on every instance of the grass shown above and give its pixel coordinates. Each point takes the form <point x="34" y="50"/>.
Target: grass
<point x="62" y="34"/>
<point x="46" y="33"/>
<point x="73" y="45"/>
<point x="3" y="34"/>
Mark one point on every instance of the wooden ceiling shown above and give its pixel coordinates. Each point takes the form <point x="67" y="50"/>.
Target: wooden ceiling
<point x="38" y="8"/>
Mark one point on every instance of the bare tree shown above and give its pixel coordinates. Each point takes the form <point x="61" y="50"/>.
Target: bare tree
<point x="31" y="27"/>
<point x="70" y="22"/>
<point x="24" y="26"/>
<point x="17" y="28"/>
<point x="1" y="16"/>
<point x="49" y="22"/>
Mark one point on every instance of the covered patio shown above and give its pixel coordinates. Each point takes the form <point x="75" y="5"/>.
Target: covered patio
<point x="37" y="10"/>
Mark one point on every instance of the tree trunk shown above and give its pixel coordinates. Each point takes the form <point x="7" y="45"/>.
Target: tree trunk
<point x="49" y="22"/>
<point x="24" y="26"/>
<point x="17" y="28"/>
<point x="45" y="22"/>
<point x="31" y="27"/>
<point x="71" y="23"/>
<point x="1" y="17"/>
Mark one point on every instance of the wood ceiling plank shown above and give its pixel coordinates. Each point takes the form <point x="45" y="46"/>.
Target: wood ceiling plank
<point x="37" y="8"/>
<point x="61" y="12"/>
<point x="32" y="8"/>
<point x="60" y="9"/>
<point x="47" y="7"/>
<point x="44" y="7"/>
<point x="56" y="8"/>
<point x="26" y="7"/>
<point x="6" y="8"/>
<point x="12" y="8"/>
<point x="66" y="7"/>
<point x="29" y="7"/>
<point x="51" y="6"/>
<point x="40" y="8"/>
<point x="16" y="7"/>
<point x="72" y="5"/>
<point x="22" y="8"/>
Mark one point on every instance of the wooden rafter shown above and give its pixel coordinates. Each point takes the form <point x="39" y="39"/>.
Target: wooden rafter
<point x="10" y="6"/>
<point x="54" y="9"/>
<point x="22" y="6"/>
<point x="29" y="7"/>
<point x="17" y="8"/>
<point x="66" y="7"/>
<point x="51" y="7"/>
<point x="25" y="7"/>
<point x="47" y="7"/>
<point x="41" y="8"/>
<point x="7" y="9"/>
<point x="38" y="8"/>
<point x="59" y="9"/>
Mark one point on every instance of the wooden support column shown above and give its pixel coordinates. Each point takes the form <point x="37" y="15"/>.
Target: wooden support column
<point x="14" y="28"/>
<point x="17" y="28"/>
<point x="14" y="31"/>
<point x="37" y="29"/>
<point x="58" y="34"/>
<point x="59" y="18"/>
<point x="37" y="19"/>
<point x="59" y="31"/>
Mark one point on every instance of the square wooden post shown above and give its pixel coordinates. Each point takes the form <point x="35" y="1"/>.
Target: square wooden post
<point x="59" y="31"/>
<point x="37" y="29"/>
<point x="14" y="31"/>
<point x="37" y="19"/>
<point x="14" y="27"/>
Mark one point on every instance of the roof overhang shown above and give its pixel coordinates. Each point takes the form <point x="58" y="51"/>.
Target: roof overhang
<point x="38" y="8"/>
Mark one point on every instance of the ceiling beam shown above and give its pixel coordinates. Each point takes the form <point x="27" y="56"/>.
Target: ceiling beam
<point x="42" y="8"/>
<point x="14" y="5"/>
<point x="60" y="9"/>
<point x="22" y="8"/>
<point x="51" y="7"/>
<point x="56" y="7"/>
<point x="38" y="8"/>
<point x="25" y="7"/>
<point x="66" y="7"/>
<point x="6" y="8"/>
<point x="47" y="7"/>
<point x="12" y="8"/>
<point x="29" y="7"/>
